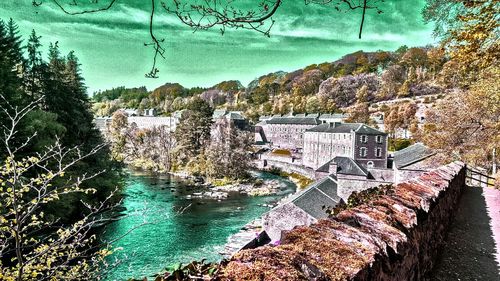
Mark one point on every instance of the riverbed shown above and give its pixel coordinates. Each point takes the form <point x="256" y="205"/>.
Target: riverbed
<point x="168" y="226"/>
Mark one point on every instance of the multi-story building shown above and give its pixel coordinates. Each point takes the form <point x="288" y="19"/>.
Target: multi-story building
<point x="360" y="142"/>
<point x="285" y="132"/>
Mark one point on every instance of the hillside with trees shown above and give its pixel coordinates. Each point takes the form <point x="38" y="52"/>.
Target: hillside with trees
<point x="327" y="87"/>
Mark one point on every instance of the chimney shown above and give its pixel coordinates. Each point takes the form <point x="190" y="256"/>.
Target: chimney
<point x="334" y="124"/>
<point x="332" y="170"/>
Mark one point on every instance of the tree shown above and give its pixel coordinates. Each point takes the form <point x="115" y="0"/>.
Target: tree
<point x="193" y="131"/>
<point x="415" y="57"/>
<point x="34" y="67"/>
<point x="10" y="82"/>
<point x="391" y="80"/>
<point x="228" y="154"/>
<point x="343" y="90"/>
<point x="119" y="124"/>
<point x="436" y="59"/>
<point x="470" y="32"/>
<point x="360" y="112"/>
<point x="466" y="125"/>
<point x="28" y="186"/>
<point x="400" y="116"/>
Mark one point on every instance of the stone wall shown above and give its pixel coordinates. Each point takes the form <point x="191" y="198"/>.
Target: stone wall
<point x="382" y="174"/>
<point x="345" y="187"/>
<point x="285" y="216"/>
<point x="287" y="167"/>
<point x="395" y="236"/>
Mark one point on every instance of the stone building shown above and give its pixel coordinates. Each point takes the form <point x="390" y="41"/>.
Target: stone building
<point x="225" y="121"/>
<point x="412" y="161"/>
<point x="234" y="117"/>
<point x="303" y="208"/>
<point x="285" y="132"/>
<point x="332" y="118"/>
<point x="359" y="142"/>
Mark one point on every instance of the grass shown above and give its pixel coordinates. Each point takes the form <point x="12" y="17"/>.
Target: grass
<point x="282" y="152"/>
<point x="300" y="180"/>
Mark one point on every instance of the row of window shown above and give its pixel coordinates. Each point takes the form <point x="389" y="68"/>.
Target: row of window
<point x="363" y="151"/>
<point x="329" y="136"/>
<point x="287" y="129"/>
<point x="364" y="139"/>
<point x="329" y="148"/>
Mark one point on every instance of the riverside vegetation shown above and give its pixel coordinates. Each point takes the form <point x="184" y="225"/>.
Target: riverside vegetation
<point x="56" y="176"/>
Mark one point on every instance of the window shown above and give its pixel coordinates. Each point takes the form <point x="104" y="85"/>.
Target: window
<point x="364" y="139"/>
<point x="378" y="152"/>
<point x="369" y="164"/>
<point x="379" y="139"/>
<point x="362" y="152"/>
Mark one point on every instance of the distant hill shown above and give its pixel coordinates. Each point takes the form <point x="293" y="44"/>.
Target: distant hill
<point x="325" y="87"/>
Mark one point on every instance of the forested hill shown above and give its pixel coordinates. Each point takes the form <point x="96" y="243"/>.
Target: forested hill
<point x="326" y="87"/>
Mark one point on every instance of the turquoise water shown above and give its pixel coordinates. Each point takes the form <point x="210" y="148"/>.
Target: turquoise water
<point x="171" y="228"/>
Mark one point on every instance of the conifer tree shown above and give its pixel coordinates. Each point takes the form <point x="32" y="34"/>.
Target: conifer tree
<point x="15" y="41"/>
<point x="34" y="66"/>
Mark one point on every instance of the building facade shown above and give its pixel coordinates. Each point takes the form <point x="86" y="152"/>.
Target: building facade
<point x="285" y="132"/>
<point x="359" y="142"/>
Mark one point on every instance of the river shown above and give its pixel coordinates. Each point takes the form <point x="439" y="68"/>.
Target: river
<point x="172" y="228"/>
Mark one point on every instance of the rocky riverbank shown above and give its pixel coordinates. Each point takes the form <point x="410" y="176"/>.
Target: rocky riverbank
<point x="239" y="240"/>
<point x="257" y="188"/>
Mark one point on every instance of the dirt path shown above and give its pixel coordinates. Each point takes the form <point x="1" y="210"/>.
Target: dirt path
<point x="469" y="252"/>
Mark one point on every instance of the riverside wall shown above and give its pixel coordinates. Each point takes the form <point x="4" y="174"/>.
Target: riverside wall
<point x="392" y="236"/>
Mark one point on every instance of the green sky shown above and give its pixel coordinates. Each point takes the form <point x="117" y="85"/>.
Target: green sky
<point x="110" y="45"/>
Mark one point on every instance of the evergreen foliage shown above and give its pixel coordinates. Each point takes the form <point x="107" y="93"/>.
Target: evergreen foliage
<point x="62" y="112"/>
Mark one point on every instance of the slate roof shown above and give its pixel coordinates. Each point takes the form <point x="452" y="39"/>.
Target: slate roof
<point x="178" y="114"/>
<point x="235" y="115"/>
<point x="367" y="130"/>
<point x="412" y="154"/>
<point x="335" y="128"/>
<point x="219" y="113"/>
<point x="331" y="116"/>
<point x="346" y="166"/>
<point x="346" y="128"/>
<point x="231" y="115"/>
<point x="294" y="120"/>
<point x="318" y="196"/>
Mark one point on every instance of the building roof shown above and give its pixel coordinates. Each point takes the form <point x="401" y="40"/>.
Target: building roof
<point x="178" y="114"/>
<point x="367" y="130"/>
<point x="231" y="115"/>
<point x="317" y="197"/>
<point x="379" y="119"/>
<point x="294" y="120"/>
<point x="235" y="115"/>
<point x="346" y="166"/>
<point x="219" y="113"/>
<point x="412" y="154"/>
<point x="261" y="123"/>
<point x="313" y="115"/>
<point x="346" y="128"/>
<point x="333" y="116"/>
